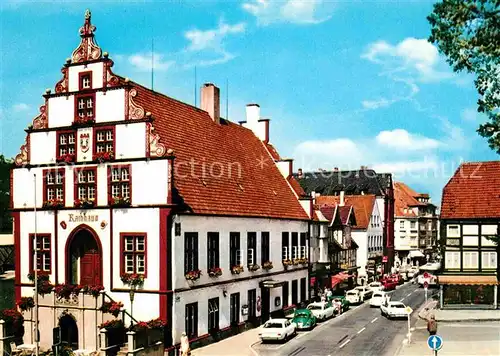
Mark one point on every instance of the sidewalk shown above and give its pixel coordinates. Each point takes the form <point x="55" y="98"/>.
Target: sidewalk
<point x="457" y="316"/>
<point x="238" y="345"/>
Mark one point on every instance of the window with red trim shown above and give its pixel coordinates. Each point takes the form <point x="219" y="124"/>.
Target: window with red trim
<point x="86" y="184"/>
<point x="53" y="185"/>
<point x="120" y="185"/>
<point x="104" y="141"/>
<point x="85" y="80"/>
<point x="43" y="246"/>
<point x="66" y="143"/>
<point x="133" y="253"/>
<point x="85" y="107"/>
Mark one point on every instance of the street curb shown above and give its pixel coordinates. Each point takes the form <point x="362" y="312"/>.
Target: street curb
<point x="425" y="307"/>
<point x="468" y="320"/>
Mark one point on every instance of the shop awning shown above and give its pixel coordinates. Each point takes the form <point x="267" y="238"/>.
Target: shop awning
<point x="271" y="284"/>
<point x="339" y="278"/>
<point x="416" y="254"/>
<point x="468" y="280"/>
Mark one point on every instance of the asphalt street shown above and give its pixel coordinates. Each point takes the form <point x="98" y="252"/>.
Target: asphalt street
<point x="361" y="331"/>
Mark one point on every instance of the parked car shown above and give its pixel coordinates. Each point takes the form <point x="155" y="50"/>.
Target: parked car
<point x="398" y="278"/>
<point x="393" y="310"/>
<point x="389" y="284"/>
<point x="376" y="286"/>
<point x="378" y="299"/>
<point x="321" y="310"/>
<point x="428" y="278"/>
<point x="364" y="291"/>
<point x="354" y="296"/>
<point x="344" y="303"/>
<point x="304" y="319"/>
<point x="413" y="271"/>
<point x="277" y="330"/>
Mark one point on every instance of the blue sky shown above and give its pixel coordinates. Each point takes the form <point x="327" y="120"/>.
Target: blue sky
<point x="345" y="83"/>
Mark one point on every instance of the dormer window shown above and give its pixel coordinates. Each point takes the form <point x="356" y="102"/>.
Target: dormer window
<point x="85" y="80"/>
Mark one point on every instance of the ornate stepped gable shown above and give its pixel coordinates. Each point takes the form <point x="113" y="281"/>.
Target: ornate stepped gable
<point x="88" y="50"/>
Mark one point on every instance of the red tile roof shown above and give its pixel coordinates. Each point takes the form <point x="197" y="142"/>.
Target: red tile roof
<point x="362" y="206"/>
<point x="249" y="183"/>
<point x="404" y="198"/>
<point x="345" y="213"/>
<point x="473" y="192"/>
<point x="296" y="187"/>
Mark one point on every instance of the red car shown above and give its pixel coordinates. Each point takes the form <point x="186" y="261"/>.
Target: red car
<point x="389" y="284"/>
<point x="398" y="278"/>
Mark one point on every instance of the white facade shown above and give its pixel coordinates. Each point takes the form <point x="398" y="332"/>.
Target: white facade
<point x="228" y="283"/>
<point x="370" y="241"/>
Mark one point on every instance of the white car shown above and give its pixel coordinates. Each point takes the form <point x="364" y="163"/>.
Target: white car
<point x="353" y="296"/>
<point x="364" y="291"/>
<point x="428" y="278"/>
<point x="412" y="272"/>
<point x="277" y="329"/>
<point x="378" y="298"/>
<point x="322" y="310"/>
<point x="393" y="310"/>
<point x="376" y="287"/>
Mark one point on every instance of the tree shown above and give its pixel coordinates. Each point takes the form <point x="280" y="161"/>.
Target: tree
<point x="5" y="218"/>
<point x="467" y="32"/>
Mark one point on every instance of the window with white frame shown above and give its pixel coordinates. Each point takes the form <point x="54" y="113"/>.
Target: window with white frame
<point x="471" y="259"/>
<point x="285" y="245"/>
<point x="120" y="182"/>
<point x="85" y="107"/>
<point x="251" y="248"/>
<point x="489" y="260"/>
<point x="134" y="253"/>
<point x="213" y="314"/>
<point x="402" y="224"/>
<point x="54" y="185"/>
<point x="413" y="224"/>
<point x="303" y="247"/>
<point x="43" y="247"/>
<point x="86" y="184"/>
<point x="66" y="143"/>
<point x="453" y="231"/>
<point x="452" y="259"/>
<point x="104" y="141"/>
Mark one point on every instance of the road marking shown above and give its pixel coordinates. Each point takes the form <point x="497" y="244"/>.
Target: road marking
<point x="359" y="332"/>
<point x="401" y="299"/>
<point x="408" y="294"/>
<point x="345" y="343"/>
<point x="374" y="320"/>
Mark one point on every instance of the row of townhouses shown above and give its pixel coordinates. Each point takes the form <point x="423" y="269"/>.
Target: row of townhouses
<point x="154" y="202"/>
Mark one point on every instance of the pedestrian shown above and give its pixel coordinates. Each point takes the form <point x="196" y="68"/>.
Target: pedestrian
<point x="432" y="326"/>
<point x="185" y="350"/>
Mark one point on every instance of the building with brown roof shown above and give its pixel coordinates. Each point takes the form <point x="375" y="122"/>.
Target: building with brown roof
<point x="416" y="226"/>
<point x="470" y="231"/>
<point x="367" y="232"/>
<point x="131" y="188"/>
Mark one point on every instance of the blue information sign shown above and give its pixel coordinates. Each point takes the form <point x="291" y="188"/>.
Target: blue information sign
<point x="435" y="342"/>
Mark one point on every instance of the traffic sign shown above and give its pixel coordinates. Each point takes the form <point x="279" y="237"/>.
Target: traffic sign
<point x="426" y="275"/>
<point x="409" y="310"/>
<point x="385" y="259"/>
<point x="435" y="342"/>
<point x="426" y="285"/>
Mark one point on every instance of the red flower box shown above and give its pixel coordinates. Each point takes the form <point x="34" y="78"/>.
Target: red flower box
<point x="67" y="158"/>
<point x="103" y="156"/>
<point x="133" y="280"/>
<point x="87" y="203"/>
<point x="193" y="275"/>
<point x="53" y="203"/>
<point x="26" y="303"/>
<point x="215" y="272"/>
<point x="82" y="121"/>
<point x="112" y="308"/>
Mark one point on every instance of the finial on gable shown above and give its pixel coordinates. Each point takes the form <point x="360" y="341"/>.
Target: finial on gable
<point x="87" y="50"/>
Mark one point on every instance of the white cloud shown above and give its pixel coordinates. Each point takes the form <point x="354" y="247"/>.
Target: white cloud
<point x="470" y="115"/>
<point x="20" y="107"/>
<point x="402" y="139"/>
<point x="291" y="11"/>
<point x="212" y="39"/>
<point x="143" y="62"/>
<point x="376" y="104"/>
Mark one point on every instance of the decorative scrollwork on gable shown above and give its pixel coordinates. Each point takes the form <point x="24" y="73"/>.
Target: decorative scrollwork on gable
<point x="111" y="79"/>
<point x="87" y="50"/>
<point x="41" y="122"/>
<point x="62" y="85"/>
<point x="135" y="112"/>
<point x="156" y="149"/>
<point x="22" y="157"/>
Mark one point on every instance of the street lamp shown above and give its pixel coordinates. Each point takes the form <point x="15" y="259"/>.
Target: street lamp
<point x="131" y="295"/>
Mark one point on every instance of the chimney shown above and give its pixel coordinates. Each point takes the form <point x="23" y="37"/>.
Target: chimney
<point x="210" y="101"/>
<point x="253" y="114"/>
<point x="336" y="169"/>
<point x="300" y="174"/>
<point x="342" y="202"/>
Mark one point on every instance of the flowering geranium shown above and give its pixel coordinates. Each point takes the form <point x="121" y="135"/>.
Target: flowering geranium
<point x="67" y="290"/>
<point x="42" y="276"/>
<point x="112" y="308"/>
<point x="254" y="267"/>
<point x="84" y="203"/>
<point x="237" y="269"/>
<point x="26" y="303"/>
<point x="303" y="260"/>
<point x="267" y="265"/>
<point x="83" y="121"/>
<point x="93" y="290"/>
<point x="53" y="203"/>
<point x="103" y="156"/>
<point x="215" y="272"/>
<point x="13" y="321"/>
<point x="112" y="324"/>
<point x="193" y="275"/>
<point x="154" y="324"/>
<point x="287" y="262"/>
<point x="67" y="158"/>
<point x="132" y="279"/>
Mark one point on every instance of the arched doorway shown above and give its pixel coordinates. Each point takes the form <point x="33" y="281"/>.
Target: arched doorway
<point x="84" y="257"/>
<point x="69" y="331"/>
